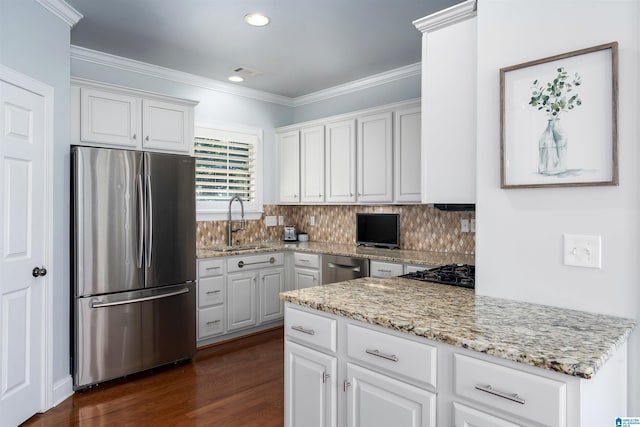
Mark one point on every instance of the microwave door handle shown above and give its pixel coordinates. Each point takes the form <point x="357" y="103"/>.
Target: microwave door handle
<point x="140" y="221"/>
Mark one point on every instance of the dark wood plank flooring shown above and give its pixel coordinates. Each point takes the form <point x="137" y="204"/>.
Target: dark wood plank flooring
<point x="240" y="383"/>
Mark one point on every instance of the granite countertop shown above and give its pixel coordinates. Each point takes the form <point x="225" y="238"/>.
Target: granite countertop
<point x="568" y="341"/>
<point x="391" y="255"/>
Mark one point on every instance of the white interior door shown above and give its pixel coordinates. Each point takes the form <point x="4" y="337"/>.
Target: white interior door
<point x="23" y="247"/>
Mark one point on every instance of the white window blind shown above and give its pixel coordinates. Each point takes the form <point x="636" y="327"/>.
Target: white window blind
<point x="225" y="166"/>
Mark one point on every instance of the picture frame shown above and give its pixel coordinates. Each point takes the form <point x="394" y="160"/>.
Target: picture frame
<point x="558" y="120"/>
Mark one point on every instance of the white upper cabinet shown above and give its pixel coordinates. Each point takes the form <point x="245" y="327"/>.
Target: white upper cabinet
<point x="449" y="104"/>
<point x="312" y="164"/>
<point x="289" y="167"/>
<point x="356" y="157"/>
<point x="375" y="158"/>
<point x="106" y="115"/>
<point x="407" y="141"/>
<point x="166" y="126"/>
<point x="340" y="168"/>
<point x="109" y="118"/>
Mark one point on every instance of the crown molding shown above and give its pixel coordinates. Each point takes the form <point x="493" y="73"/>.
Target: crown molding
<point x="356" y="85"/>
<point x="131" y="65"/>
<point x="105" y="59"/>
<point x="62" y="10"/>
<point x="446" y="17"/>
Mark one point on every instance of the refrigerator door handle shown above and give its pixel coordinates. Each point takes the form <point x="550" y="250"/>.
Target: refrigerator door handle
<point x="101" y="304"/>
<point x="149" y="222"/>
<point x="140" y="221"/>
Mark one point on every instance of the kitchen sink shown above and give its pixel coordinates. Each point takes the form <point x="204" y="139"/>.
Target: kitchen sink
<point x="240" y="248"/>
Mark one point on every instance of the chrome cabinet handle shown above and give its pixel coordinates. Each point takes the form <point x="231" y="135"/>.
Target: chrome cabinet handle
<point x="217" y="291"/>
<point x="212" y="268"/>
<point x="303" y="330"/>
<point x="213" y="322"/>
<point x="325" y="377"/>
<point x="384" y="271"/>
<point x="509" y="396"/>
<point x="241" y="263"/>
<point x="377" y="353"/>
<point x="345" y="385"/>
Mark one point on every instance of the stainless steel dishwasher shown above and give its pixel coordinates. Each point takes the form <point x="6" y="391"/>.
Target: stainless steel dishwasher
<point x="340" y="268"/>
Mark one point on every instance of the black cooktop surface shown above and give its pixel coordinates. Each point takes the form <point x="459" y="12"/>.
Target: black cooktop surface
<point x="463" y="275"/>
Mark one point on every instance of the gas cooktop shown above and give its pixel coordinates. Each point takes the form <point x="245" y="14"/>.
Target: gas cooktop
<point x="463" y="275"/>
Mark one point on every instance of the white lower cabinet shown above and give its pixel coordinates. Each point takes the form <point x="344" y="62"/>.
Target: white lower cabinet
<point x="389" y="378"/>
<point x="464" y="416"/>
<point x="238" y="293"/>
<point x="306" y="271"/>
<point x="326" y="386"/>
<point x="310" y="387"/>
<point x="241" y="300"/>
<point x="271" y="284"/>
<point x="376" y="400"/>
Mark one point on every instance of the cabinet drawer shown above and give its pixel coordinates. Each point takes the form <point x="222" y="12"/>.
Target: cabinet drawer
<point x="210" y="267"/>
<point x="385" y="269"/>
<point x="310" y="328"/>
<point x="253" y="262"/>
<point x="210" y="322"/>
<point x="520" y="393"/>
<point x="210" y="291"/>
<point x="395" y="355"/>
<point x="466" y="416"/>
<point x="307" y="260"/>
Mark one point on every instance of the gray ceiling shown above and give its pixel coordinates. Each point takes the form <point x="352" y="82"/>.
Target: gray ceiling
<point x="309" y="45"/>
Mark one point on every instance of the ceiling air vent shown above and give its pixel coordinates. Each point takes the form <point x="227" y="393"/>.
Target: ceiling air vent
<point x="246" y="72"/>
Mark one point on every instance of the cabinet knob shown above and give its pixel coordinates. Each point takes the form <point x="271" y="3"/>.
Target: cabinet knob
<point x="147" y="138"/>
<point x="135" y="136"/>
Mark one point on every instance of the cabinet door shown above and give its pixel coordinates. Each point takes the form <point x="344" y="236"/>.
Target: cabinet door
<point x="375" y="158"/>
<point x="310" y="392"/>
<point x="271" y="284"/>
<point x="241" y="300"/>
<point x="375" y="400"/>
<point x="406" y="143"/>
<point x="289" y="153"/>
<point x="110" y="118"/>
<point x="340" y="168"/>
<point x="167" y="127"/>
<point x="305" y="278"/>
<point x="312" y="165"/>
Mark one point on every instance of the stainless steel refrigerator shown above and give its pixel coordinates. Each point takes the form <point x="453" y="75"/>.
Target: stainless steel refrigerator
<point x="134" y="264"/>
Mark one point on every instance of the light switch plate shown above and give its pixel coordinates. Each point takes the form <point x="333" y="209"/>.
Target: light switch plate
<point x="280" y="220"/>
<point x="583" y="251"/>
<point x="464" y="225"/>
<point x="270" y="221"/>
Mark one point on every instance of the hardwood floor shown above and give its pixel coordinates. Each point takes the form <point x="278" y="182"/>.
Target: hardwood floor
<point x="234" y="384"/>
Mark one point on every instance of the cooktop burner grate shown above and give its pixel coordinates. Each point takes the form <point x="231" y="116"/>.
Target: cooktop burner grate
<point x="453" y="274"/>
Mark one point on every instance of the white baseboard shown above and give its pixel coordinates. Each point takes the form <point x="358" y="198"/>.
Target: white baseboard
<point x="62" y="389"/>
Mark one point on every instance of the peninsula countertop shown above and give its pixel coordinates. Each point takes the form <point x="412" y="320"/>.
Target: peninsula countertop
<point x="572" y="342"/>
<point x="390" y="255"/>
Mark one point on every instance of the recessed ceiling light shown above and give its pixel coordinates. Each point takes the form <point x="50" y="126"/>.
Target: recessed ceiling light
<point x="256" y="19"/>
<point x="236" y="79"/>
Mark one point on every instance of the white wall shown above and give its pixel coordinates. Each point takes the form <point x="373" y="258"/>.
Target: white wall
<point x="519" y="231"/>
<point x="44" y="55"/>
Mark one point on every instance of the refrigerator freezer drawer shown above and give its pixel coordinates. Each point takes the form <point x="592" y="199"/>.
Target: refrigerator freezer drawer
<point x="120" y="334"/>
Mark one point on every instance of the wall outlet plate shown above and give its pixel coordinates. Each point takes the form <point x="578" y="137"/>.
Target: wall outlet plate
<point x="464" y="225"/>
<point x="582" y="251"/>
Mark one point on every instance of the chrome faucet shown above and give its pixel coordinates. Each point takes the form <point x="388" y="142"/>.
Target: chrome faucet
<point x="231" y="229"/>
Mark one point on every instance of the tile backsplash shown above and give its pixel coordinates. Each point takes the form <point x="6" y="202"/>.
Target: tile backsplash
<point x="421" y="226"/>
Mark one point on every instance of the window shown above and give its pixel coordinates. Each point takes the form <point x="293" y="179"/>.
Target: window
<point x="226" y="165"/>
